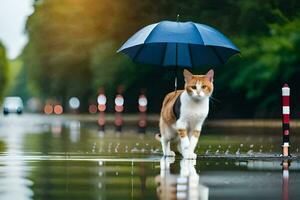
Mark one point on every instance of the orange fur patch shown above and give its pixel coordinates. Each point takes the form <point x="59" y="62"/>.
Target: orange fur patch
<point x="182" y="132"/>
<point x="167" y="114"/>
<point x="207" y="86"/>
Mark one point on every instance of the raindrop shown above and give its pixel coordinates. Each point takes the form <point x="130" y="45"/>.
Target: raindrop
<point x="156" y="151"/>
<point x="117" y="173"/>
<point x="238" y="152"/>
<point x="99" y="185"/>
<point x="94" y="147"/>
<point x="250" y="152"/>
<point x="151" y="150"/>
<point x="134" y="149"/>
<point x="251" y="145"/>
<point x="241" y="145"/>
<point x="100" y="163"/>
<point x="226" y="152"/>
<point x="217" y="152"/>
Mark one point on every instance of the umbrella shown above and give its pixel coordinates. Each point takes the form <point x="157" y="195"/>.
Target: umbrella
<point x="179" y="44"/>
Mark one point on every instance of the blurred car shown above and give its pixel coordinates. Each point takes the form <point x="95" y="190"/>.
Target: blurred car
<point x="12" y="105"/>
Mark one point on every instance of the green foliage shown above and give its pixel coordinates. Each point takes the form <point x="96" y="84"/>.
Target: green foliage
<point x="269" y="61"/>
<point x="3" y="70"/>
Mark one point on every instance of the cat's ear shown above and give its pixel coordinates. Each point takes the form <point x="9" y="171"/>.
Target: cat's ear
<point x="187" y="75"/>
<point x="210" y="75"/>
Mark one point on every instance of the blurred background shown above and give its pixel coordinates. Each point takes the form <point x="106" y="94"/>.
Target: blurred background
<point x="69" y="50"/>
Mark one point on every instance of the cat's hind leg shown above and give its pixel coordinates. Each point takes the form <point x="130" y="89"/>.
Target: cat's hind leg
<point x="165" y="142"/>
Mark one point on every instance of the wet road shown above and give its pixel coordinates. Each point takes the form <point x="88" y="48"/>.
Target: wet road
<point x="48" y="157"/>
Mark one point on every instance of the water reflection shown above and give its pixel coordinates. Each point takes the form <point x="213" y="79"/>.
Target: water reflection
<point x="285" y="179"/>
<point x="52" y="158"/>
<point x="74" y="127"/>
<point x="14" y="183"/>
<point x="184" y="185"/>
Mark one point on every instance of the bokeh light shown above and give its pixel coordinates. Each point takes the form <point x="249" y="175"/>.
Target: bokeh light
<point x="48" y="109"/>
<point x="92" y="108"/>
<point x="119" y="100"/>
<point x="143" y="101"/>
<point x="58" y="109"/>
<point x="74" y="103"/>
<point x="101" y="99"/>
<point x="101" y="107"/>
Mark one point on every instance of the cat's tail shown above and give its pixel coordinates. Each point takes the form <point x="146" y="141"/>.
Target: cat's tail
<point x="158" y="136"/>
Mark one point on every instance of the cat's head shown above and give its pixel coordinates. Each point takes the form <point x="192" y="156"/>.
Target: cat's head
<point x="199" y="86"/>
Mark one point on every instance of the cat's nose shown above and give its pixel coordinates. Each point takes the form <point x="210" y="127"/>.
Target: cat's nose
<point x="200" y="93"/>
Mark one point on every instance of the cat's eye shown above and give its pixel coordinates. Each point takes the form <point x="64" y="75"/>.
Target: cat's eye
<point x="194" y="87"/>
<point x="204" y="87"/>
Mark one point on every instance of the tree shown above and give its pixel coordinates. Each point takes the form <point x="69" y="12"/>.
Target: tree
<point x="3" y="70"/>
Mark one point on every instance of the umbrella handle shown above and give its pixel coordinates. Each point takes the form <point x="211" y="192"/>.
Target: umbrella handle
<point x="175" y="84"/>
<point x="175" y="80"/>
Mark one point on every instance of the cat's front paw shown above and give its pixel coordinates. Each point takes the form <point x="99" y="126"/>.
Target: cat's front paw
<point x="193" y="155"/>
<point x="189" y="155"/>
<point x="170" y="154"/>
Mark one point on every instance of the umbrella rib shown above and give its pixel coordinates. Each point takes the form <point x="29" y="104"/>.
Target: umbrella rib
<point x="218" y="55"/>
<point x="164" y="52"/>
<point x="176" y="53"/>
<point x="191" y="56"/>
<point x="137" y="53"/>
<point x="197" y="30"/>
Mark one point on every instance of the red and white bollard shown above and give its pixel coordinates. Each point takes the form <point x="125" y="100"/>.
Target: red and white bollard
<point x="101" y="100"/>
<point x="142" y="124"/>
<point x="119" y="107"/>
<point x="285" y="120"/>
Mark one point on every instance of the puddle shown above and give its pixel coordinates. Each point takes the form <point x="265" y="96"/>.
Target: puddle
<point x="50" y="158"/>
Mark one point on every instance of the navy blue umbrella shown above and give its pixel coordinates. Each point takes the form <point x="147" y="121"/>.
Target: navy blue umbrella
<point x="179" y="44"/>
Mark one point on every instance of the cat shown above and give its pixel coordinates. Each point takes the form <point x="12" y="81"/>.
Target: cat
<point x="183" y="113"/>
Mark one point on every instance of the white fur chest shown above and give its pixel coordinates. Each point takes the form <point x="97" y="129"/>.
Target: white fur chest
<point x="193" y="112"/>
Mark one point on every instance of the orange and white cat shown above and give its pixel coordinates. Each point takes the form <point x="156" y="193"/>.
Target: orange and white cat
<point x="183" y="113"/>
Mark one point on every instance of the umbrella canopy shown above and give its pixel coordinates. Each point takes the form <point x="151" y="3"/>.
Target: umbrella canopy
<point x="184" y="44"/>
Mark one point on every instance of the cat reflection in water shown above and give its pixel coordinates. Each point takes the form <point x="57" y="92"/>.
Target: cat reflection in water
<point x="183" y="113"/>
<point x="184" y="185"/>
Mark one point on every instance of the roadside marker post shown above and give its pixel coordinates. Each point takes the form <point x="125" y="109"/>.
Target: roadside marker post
<point x="285" y="120"/>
